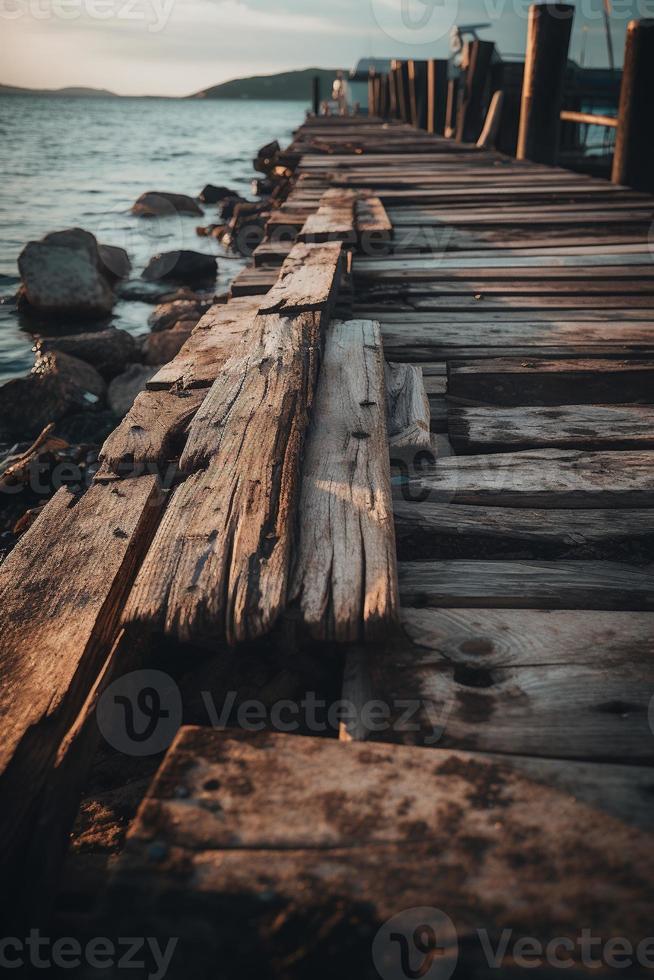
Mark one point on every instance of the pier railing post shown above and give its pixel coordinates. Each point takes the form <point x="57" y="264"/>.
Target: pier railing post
<point x="633" y="160"/>
<point x="418" y="93"/>
<point x="471" y="110"/>
<point x="548" y="38"/>
<point x="451" y="107"/>
<point x="372" y="93"/>
<point x="315" y="94"/>
<point x="436" y="95"/>
<point x="393" y="110"/>
<point x="402" y="85"/>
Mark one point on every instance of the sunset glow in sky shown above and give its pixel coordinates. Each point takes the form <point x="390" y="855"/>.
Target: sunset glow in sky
<point x="175" y="47"/>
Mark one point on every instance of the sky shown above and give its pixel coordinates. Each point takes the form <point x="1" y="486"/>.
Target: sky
<point x="176" y="47"/>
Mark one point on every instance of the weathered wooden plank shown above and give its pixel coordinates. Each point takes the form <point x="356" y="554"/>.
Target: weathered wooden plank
<point x="252" y="282"/>
<point x="308" y="279"/>
<point x="565" y="684"/>
<point x="474" y="429"/>
<point x="61" y="591"/>
<point x="525" y="584"/>
<point x="148" y="435"/>
<point x="213" y="340"/>
<point x="345" y="577"/>
<point x="469" y="829"/>
<point x="374" y="227"/>
<point x="271" y="253"/>
<point x="638" y="262"/>
<point x="541" y="478"/>
<point x="407" y="406"/>
<point x="513" y="381"/>
<point x="423" y="522"/>
<point x="550" y="270"/>
<point x="333" y="221"/>
<point x="219" y="563"/>
<point x="440" y="340"/>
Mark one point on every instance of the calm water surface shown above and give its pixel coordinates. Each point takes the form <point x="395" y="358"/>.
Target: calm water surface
<point x="75" y="162"/>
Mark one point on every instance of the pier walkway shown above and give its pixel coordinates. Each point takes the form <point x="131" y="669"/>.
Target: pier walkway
<point x="445" y="520"/>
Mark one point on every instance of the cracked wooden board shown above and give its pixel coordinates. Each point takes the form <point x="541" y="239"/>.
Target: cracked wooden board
<point x="61" y="592"/>
<point x="565" y="684"/>
<point x="461" y="832"/>
<point x="212" y="342"/>
<point x="345" y="578"/>
<point x="218" y="566"/>
<point x="308" y="279"/>
<point x="147" y="437"/>
<point x="408" y="408"/>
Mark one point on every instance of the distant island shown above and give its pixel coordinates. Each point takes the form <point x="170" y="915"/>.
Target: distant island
<point x="286" y="86"/>
<point x="80" y="90"/>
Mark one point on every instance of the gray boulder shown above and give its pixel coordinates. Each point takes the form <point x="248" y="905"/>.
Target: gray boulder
<point x="124" y="389"/>
<point x="57" y="385"/>
<point x="109" y="351"/>
<point x="183" y="266"/>
<point x="114" y="262"/>
<point x="62" y="276"/>
<point x="154" y="204"/>
<point x="210" y="194"/>
<point x="166" y="315"/>
<point x="159" y="348"/>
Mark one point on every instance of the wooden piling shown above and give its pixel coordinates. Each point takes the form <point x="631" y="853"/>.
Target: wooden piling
<point x="315" y="94"/>
<point x="451" y="107"/>
<point x="548" y="37"/>
<point x="372" y="94"/>
<point x="436" y="95"/>
<point x="392" y="92"/>
<point x="471" y="111"/>
<point x="633" y="161"/>
<point x="417" y="72"/>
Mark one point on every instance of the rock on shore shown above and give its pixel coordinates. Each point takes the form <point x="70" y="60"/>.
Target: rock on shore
<point x="109" y="351"/>
<point x="210" y="194"/>
<point x="124" y="389"/>
<point x="57" y="385"/>
<point x="64" y="275"/>
<point x="166" y="315"/>
<point x="154" y="204"/>
<point x="181" y="266"/>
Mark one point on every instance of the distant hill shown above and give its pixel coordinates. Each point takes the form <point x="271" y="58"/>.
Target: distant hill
<point x="287" y="85"/>
<point x="81" y="91"/>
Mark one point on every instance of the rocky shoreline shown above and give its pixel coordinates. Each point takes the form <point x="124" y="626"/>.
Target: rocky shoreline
<point x="87" y="372"/>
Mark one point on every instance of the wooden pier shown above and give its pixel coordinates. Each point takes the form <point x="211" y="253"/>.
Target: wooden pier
<point x="413" y="463"/>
